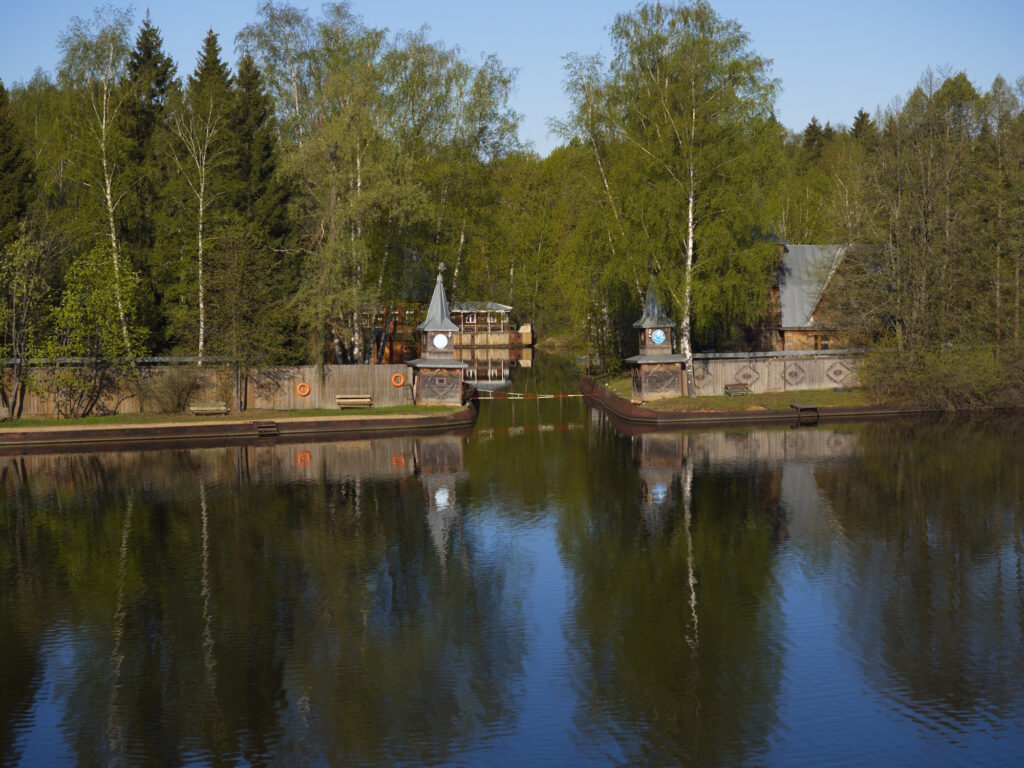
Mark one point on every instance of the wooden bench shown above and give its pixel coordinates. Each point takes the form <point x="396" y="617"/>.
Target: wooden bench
<point x="215" y="408"/>
<point x="354" y="401"/>
<point x="804" y="409"/>
<point x="737" y="389"/>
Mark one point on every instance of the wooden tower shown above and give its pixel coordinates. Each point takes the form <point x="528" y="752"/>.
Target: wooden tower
<point x="657" y="372"/>
<point x="438" y="375"/>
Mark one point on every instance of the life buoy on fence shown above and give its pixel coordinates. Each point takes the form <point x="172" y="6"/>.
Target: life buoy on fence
<point x="303" y="458"/>
<point x="398" y="461"/>
<point x="397" y="380"/>
<point x="302" y="389"/>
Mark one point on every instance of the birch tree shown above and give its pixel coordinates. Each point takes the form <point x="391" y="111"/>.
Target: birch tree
<point x="691" y="104"/>
<point x="201" y="153"/>
<point x="94" y="72"/>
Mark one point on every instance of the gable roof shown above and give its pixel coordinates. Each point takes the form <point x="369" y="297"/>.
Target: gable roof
<point x="804" y="273"/>
<point x="438" y="318"/>
<point x="480" y="306"/>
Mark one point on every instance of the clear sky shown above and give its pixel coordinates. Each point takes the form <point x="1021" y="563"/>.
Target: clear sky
<point x="832" y="57"/>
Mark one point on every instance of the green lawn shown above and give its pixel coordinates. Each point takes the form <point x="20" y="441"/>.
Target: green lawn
<point x="250" y="415"/>
<point x="770" y="401"/>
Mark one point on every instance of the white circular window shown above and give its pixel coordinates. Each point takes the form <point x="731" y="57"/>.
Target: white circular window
<point x="440" y="341"/>
<point x="658" y="336"/>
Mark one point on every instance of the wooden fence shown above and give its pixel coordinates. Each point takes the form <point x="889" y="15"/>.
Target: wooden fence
<point x="775" y="371"/>
<point x="277" y="389"/>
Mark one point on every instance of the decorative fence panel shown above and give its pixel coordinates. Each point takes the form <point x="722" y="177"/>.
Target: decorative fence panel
<point x="776" y="371"/>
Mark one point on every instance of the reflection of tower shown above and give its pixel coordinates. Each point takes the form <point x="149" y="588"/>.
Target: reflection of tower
<point x="659" y="458"/>
<point x="438" y="374"/>
<point x="439" y="465"/>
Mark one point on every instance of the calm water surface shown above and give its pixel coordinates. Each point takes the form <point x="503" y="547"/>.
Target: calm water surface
<point x="542" y="590"/>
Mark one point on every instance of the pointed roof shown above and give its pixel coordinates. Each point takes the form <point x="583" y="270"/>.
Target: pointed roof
<point x="804" y="274"/>
<point x="438" y="318"/>
<point x="654" y="314"/>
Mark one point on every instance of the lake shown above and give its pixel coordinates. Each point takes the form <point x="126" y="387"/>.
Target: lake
<point x="545" y="589"/>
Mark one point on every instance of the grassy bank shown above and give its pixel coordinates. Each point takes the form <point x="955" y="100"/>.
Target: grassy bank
<point x="127" y="419"/>
<point x="767" y="401"/>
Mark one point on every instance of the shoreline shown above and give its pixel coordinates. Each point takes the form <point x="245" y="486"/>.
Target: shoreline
<point x="622" y="409"/>
<point x="15" y="441"/>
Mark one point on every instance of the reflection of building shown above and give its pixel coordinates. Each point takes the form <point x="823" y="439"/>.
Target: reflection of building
<point x="491" y="368"/>
<point x="659" y="457"/>
<point x="657" y="373"/>
<point x="439" y="464"/>
<point x="438" y="375"/>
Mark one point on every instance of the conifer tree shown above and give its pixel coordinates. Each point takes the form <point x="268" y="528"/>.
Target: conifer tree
<point x="259" y="196"/>
<point x="864" y="128"/>
<point x="16" y="173"/>
<point x="203" y="156"/>
<point x="152" y="73"/>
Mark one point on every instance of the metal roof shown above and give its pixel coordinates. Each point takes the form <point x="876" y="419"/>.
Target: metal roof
<point x="654" y="314"/>
<point x="438" y="318"/>
<point x="803" y="275"/>
<point x="480" y="306"/>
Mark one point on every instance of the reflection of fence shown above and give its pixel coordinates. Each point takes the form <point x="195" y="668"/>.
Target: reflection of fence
<point x="775" y="371"/>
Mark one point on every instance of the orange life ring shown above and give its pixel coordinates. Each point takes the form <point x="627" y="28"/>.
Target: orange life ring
<point x="397" y="380"/>
<point x="398" y="461"/>
<point x="303" y="458"/>
<point x="302" y="389"/>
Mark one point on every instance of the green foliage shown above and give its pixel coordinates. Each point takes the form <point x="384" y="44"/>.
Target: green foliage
<point x="89" y="355"/>
<point x="24" y="305"/>
<point x="16" y="173"/>
<point x="328" y="175"/>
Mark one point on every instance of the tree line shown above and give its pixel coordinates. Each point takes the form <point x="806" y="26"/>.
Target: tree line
<point x="262" y="213"/>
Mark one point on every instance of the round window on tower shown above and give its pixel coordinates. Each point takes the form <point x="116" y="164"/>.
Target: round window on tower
<point x="658" y="336"/>
<point x="440" y="341"/>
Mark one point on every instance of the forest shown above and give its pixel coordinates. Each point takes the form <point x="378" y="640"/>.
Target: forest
<point x="264" y="213"/>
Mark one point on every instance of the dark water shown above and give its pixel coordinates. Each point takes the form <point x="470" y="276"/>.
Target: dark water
<point x="543" y="590"/>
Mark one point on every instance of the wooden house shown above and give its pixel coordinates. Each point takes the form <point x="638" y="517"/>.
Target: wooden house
<point x="488" y="324"/>
<point x="803" y="276"/>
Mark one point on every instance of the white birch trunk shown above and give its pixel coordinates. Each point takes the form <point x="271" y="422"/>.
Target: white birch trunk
<point x="458" y="257"/>
<point x="684" y="330"/>
<point x="199" y="260"/>
<point x="104" y="118"/>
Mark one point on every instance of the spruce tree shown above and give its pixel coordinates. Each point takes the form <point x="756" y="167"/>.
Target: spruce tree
<point x="813" y="139"/>
<point x="16" y="173"/>
<point x="260" y="197"/>
<point x="151" y="73"/>
<point x="864" y="128"/>
<point x="203" y="154"/>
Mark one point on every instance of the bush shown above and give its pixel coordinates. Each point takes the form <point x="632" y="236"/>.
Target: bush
<point x="169" y="389"/>
<point x="953" y="377"/>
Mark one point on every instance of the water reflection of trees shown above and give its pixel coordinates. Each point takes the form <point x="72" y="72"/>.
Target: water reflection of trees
<point x="211" y="609"/>
<point x="934" y="597"/>
<point x="674" y="622"/>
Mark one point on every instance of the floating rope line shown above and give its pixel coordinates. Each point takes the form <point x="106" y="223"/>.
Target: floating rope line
<point x="524" y="396"/>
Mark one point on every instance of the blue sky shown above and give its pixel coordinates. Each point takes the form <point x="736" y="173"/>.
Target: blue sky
<point x="832" y="57"/>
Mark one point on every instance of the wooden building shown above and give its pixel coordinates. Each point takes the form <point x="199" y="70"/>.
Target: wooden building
<point x="657" y="372"/>
<point x="437" y="375"/>
<point x="488" y="324"/>
<point x="803" y="277"/>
